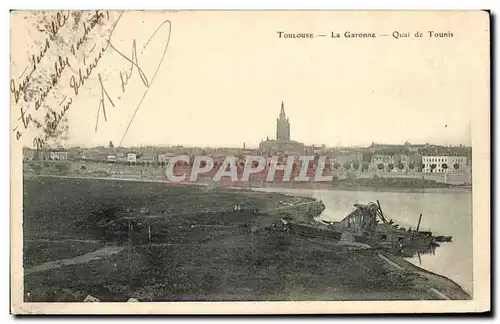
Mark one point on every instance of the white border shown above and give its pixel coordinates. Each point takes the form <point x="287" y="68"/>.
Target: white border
<point x="148" y="4"/>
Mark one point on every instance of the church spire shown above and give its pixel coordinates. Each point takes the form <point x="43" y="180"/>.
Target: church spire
<point x="282" y="125"/>
<point x="282" y="112"/>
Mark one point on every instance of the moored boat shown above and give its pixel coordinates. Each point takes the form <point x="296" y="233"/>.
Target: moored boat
<point x="314" y="230"/>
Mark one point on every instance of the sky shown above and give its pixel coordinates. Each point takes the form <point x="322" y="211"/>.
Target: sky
<point x="225" y="74"/>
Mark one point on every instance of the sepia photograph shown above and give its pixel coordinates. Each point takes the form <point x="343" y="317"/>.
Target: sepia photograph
<point x="249" y="162"/>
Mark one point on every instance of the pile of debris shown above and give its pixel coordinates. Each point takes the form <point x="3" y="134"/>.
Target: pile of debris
<point x="367" y="224"/>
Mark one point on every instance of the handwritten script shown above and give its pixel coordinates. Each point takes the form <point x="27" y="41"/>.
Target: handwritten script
<point x="73" y="68"/>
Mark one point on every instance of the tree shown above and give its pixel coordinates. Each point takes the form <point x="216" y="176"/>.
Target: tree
<point x="355" y="165"/>
<point x="380" y="166"/>
<point x="456" y="166"/>
<point x="411" y="166"/>
<point x="365" y="166"/>
<point x="444" y="166"/>
<point x="401" y="166"/>
<point x="390" y="166"/>
<point x="347" y="165"/>
<point x="111" y="144"/>
<point x="336" y="165"/>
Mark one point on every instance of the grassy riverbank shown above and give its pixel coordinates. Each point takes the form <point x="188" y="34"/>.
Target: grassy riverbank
<point x="193" y="254"/>
<point x="60" y="212"/>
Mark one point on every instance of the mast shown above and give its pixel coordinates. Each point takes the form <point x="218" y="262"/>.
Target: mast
<point x="419" y="220"/>
<point x="381" y="214"/>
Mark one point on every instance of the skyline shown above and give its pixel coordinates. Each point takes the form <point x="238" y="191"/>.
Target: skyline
<point x="339" y="144"/>
<point x="272" y="135"/>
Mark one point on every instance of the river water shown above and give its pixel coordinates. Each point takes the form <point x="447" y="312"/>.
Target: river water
<point x="445" y="212"/>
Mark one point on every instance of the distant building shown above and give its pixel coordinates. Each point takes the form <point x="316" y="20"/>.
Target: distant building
<point x="58" y="155"/>
<point x="379" y="160"/>
<point x="131" y="157"/>
<point x="341" y="158"/>
<point x="355" y="157"/>
<point x="149" y="157"/>
<point x="164" y="157"/>
<point x="282" y="144"/>
<point x="121" y="157"/>
<point x="444" y="164"/>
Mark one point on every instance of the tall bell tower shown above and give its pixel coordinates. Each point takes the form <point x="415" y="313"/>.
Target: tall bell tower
<point x="283" y="125"/>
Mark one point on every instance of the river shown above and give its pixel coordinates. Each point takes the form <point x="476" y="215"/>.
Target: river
<point x="445" y="212"/>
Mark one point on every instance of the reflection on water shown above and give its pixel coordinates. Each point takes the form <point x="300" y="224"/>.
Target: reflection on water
<point x="418" y="252"/>
<point x="445" y="212"/>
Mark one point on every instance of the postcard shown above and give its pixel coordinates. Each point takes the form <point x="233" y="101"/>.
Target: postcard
<point x="250" y="162"/>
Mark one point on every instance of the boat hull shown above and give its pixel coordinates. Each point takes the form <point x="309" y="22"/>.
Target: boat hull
<point x="314" y="231"/>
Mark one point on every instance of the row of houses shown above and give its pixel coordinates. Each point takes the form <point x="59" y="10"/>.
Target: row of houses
<point x="340" y="161"/>
<point x="401" y="163"/>
<point x="425" y="164"/>
<point x="445" y="164"/>
<point x="30" y="155"/>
